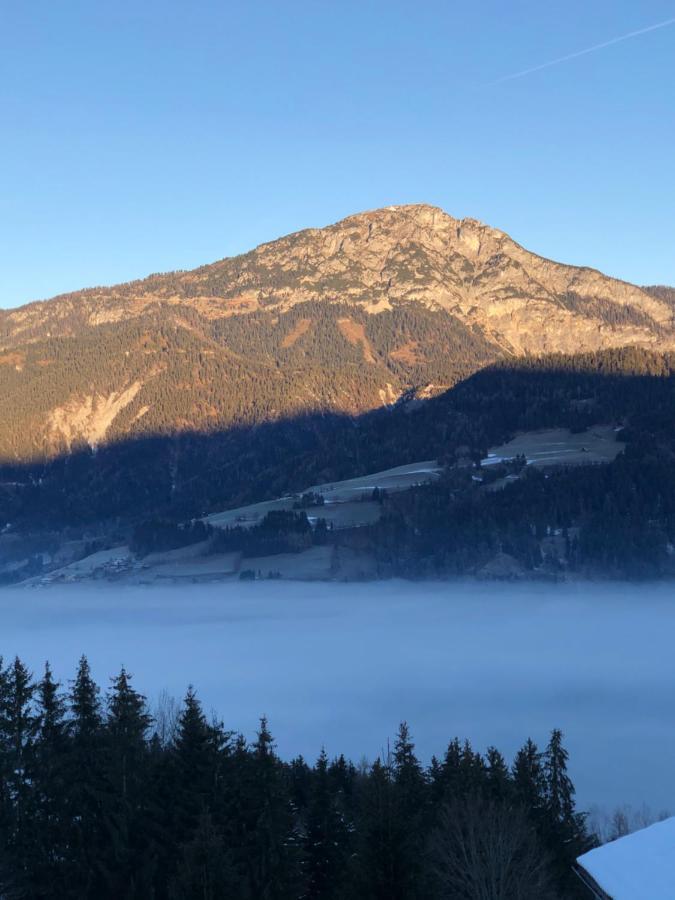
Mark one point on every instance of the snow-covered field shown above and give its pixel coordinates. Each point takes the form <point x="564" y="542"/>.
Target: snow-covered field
<point x="560" y="446"/>
<point x="341" y="665"/>
<point x="342" y="498"/>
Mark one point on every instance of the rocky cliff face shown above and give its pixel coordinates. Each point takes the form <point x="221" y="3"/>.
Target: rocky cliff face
<point x="346" y="317"/>
<point x="376" y="260"/>
<point x="419" y="254"/>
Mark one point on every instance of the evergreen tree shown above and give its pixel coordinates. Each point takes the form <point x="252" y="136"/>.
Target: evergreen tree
<point x="411" y="792"/>
<point x="87" y="788"/>
<point x="434" y="777"/>
<point x="374" y="873"/>
<point x="472" y="771"/>
<point x="193" y="771"/>
<point x="450" y="773"/>
<point x="20" y="725"/>
<point x="326" y="839"/>
<point x="271" y="837"/>
<point x="407" y="770"/>
<point x="195" y="754"/>
<point x="343" y="776"/>
<point x="127" y="727"/>
<point x="129" y="853"/>
<point x="5" y="751"/>
<point x="85" y="709"/>
<point x="49" y="779"/>
<point x="300" y="782"/>
<point x="498" y="780"/>
<point x="529" y="781"/>
<point x="559" y="787"/>
<point x="388" y="851"/>
<point x="564" y="829"/>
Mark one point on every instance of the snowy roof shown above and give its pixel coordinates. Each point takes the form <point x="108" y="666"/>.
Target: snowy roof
<point x="636" y="866"/>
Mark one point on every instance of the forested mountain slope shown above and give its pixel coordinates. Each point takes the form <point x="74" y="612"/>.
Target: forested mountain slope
<point x="403" y="301"/>
<point x="616" y="519"/>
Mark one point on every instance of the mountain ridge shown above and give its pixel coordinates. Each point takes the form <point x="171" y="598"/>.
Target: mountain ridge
<point x="470" y="234"/>
<point x="393" y="302"/>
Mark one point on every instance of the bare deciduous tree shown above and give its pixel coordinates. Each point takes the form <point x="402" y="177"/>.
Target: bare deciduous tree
<point x="165" y="717"/>
<point x="484" y="850"/>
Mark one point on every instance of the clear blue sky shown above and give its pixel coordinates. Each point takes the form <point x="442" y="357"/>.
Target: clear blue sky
<point x="138" y="137"/>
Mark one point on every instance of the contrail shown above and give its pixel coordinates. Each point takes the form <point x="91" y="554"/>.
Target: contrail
<point x="562" y="59"/>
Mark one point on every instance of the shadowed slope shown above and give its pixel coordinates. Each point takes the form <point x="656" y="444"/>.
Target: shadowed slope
<point x="189" y="474"/>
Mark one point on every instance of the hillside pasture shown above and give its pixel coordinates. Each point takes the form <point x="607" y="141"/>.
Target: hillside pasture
<point x="310" y="565"/>
<point x="343" y="507"/>
<point x="247" y="516"/>
<point x="346" y="515"/>
<point x="398" y="478"/>
<point x="560" y="447"/>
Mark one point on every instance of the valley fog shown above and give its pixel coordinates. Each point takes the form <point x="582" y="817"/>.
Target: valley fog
<point x="340" y="665"/>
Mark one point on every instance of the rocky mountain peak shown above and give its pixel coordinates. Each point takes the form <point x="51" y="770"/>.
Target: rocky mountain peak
<point x="381" y="258"/>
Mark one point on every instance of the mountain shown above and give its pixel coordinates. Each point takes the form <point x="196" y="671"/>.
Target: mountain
<point x="661" y="292"/>
<point x="400" y="302"/>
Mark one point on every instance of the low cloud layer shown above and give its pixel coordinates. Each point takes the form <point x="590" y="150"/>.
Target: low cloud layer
<point x="341" y="665"/>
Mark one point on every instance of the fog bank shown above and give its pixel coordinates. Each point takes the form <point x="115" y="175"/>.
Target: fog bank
<point x="341" y="665"/>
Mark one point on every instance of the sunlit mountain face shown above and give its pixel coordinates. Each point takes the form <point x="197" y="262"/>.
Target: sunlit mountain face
<point x="398" y="302"/>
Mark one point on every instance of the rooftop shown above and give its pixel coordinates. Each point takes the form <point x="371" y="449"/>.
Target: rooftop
<point x="638" y="866"/>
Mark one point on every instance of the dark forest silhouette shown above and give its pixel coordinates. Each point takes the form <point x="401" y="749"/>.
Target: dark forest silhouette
<point x="100" y="799"/>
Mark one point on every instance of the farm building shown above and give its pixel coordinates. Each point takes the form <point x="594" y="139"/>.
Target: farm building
<point x="639" y="866"/>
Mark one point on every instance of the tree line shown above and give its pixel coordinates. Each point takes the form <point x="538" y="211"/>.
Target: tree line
<point x="98" y="798"/>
